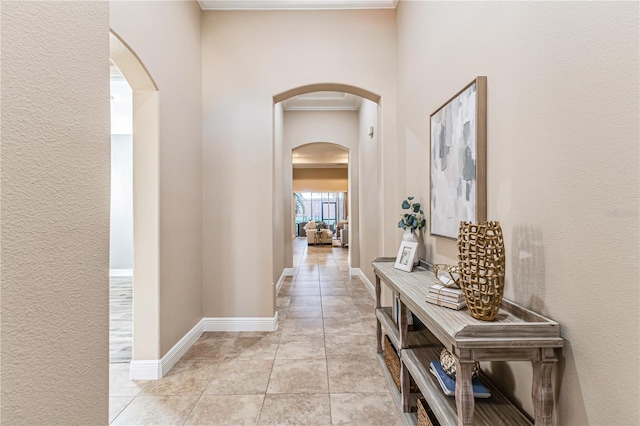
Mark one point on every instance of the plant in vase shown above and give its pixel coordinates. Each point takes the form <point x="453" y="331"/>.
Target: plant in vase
<point x="411" y="221"/>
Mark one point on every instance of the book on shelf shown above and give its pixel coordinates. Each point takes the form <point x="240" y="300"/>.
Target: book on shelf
<point x="446" y="296"/>
<point x="448" y="384"/>
<point x="395" y="312"/>
<point x="452" y="291"/>
<point x="447" y="304"/>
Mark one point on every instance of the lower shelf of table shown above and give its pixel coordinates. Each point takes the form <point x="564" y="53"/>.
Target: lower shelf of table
<point x="410" y="419"/>
<point x="493" y="411"/>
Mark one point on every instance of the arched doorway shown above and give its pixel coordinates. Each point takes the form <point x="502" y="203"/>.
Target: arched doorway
<point x="282" y="180"/>
<point x="146" y="336"/>
<point x="321" y="188"/>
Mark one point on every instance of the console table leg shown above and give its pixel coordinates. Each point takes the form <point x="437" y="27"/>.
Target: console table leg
<point x="542" y="393"/>
<point x="405" y="389"/>
<point x="465" y="403"/>
<point x="378" y="306"/>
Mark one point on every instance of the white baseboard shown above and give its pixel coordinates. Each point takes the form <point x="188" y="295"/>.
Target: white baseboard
<point x="145" y="369"/>
<point x="360" y="274"/>
<point x="120" y="272"/>
<point x="287" y="272"/>
<point x="241" y="324"/>
<point x="156" y="369"/>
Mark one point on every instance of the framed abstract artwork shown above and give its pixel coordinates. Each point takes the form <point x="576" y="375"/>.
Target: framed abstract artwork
<point x="458" y="160"/>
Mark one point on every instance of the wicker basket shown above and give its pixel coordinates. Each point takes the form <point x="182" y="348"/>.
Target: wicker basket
<point x="481" y="260"/>
<point x="425" y="415"/>
<point x="392" y="360"/>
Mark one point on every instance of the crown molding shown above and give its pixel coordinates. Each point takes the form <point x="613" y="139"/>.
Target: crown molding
<point x="295" y="4"/>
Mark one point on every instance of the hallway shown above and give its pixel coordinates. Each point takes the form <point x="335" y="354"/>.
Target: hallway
<point x="318" y="368"/>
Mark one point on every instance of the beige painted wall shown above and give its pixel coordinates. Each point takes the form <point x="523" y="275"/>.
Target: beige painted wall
<point x="320" y="180"/>
<point x="280" y="209"/>
<point x="55" y="213"/>
<point x="249" y="57"/>
<point x="562" y="173"/>
<point x="166" y="37"/>
<point x="370" y="217"/>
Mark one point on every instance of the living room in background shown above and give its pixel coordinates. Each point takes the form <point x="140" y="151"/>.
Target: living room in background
<point x="327" y="207"/>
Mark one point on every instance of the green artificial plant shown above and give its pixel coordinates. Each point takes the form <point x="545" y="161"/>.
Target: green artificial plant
<point x="299" y="204"/>
<point x="414" y="219"/>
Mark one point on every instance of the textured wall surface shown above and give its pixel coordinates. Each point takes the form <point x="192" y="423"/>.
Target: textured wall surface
<point x="563" y="174"/>
<point x="55" y="213"/>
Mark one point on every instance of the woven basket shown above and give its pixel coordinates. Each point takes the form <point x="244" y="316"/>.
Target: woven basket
<point x="425" y="415"/>
<point x="481" y="261"/>
<point x="392" y="360"/>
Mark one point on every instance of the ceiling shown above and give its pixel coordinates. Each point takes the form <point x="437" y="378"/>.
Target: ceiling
<point x="320" y="155"/>
<point x="323" y="101"/>
<point x="295" y="4"/>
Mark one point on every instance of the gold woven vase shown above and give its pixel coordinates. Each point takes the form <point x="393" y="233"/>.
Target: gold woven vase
<point x="481" y="260"/>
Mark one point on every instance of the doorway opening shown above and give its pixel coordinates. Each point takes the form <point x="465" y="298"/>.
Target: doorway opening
<point x="145" y="344"/>
<point x="121" y="228"/>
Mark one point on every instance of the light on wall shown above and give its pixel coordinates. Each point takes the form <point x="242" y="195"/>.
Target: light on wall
<point x="371" y="132"/>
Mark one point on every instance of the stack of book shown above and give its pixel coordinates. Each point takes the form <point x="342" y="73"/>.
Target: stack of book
<point x="449" y="297"/>
<point x="448" y="384"/>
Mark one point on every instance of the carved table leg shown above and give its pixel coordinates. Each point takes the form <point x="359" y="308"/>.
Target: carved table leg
<point x="464" y="392"/>
<point x="404" y="373"/>
<point x="378" y="325"/>
<point x="542" y="393"/>
<point x="405" y="388"/>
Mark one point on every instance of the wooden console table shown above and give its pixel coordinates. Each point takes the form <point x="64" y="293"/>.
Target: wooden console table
<point x="518" y="334"/>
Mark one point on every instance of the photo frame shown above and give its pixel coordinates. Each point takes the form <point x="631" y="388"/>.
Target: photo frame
<point x="458" y="133"/>
<point x="406" y="255"/>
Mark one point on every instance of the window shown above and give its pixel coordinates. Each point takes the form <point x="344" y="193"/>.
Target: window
<point x="327" y="207"/>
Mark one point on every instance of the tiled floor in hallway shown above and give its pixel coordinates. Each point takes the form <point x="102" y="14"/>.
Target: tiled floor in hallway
<point x="318" y="368"/>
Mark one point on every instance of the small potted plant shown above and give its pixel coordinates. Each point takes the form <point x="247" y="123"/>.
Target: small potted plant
<point x="411" y="221"/>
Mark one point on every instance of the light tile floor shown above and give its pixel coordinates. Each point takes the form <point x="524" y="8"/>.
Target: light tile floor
<point x="120" y="318"/>
<point x="318" y="368"/>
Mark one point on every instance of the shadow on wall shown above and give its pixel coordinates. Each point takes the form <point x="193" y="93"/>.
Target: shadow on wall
<point x="527" y="261"/>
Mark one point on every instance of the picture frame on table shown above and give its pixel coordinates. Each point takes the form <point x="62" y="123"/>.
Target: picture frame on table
<point x="458" y="160"/>
<point x="406" y="256"/>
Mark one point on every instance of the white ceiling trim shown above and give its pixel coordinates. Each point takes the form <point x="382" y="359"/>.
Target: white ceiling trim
<point x="322" y="108"/>
<point x="295" y="4"/>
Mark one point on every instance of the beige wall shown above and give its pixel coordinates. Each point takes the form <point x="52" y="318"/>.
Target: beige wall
<point x="55" y="213"/>
<point x="166" y="37"/>
<point x="320" y="180"/>
<point x="370" y="218"/>
<point x="562" y="173"/>
<point x="249" y="57"/>
<point x="280" y="209"/>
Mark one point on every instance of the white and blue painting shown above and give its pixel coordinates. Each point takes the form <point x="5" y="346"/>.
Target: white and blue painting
<point x="453" y="164"/>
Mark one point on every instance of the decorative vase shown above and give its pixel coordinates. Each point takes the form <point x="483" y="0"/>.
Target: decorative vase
<point x="481" y="261"/>
<point x="448" y="363"/>
<point x="409" y="235"/>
